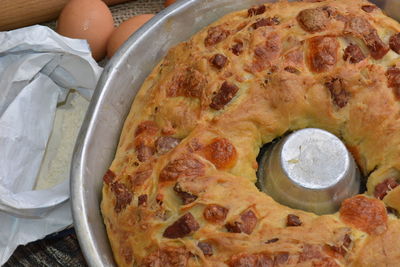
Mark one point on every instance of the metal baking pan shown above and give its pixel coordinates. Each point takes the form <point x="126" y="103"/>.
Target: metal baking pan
<point x="117" y="87"/>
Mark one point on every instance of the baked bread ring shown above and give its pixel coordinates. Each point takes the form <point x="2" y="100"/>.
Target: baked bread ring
<point x="181" y="189"/>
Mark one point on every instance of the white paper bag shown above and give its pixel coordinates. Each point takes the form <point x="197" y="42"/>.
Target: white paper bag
<point x="38" y="68"/>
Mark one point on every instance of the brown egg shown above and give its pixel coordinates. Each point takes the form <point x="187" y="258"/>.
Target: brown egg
<point x="126" y="29"/>
<point x="169" y="2"/>
<point x="90" y="20"/>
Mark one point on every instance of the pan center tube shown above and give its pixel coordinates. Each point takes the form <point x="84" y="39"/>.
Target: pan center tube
<point x="310" y="169"/>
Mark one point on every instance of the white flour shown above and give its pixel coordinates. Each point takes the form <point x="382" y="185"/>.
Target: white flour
<point x="56" y="163"/>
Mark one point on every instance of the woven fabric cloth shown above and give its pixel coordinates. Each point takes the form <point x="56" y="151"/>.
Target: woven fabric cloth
<point x="125" y="11"/>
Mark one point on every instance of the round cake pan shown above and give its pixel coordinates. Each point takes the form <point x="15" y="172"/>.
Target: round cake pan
<point x="117" y="87"/>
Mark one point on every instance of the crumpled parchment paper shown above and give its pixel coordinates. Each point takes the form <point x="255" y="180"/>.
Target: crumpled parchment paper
<point x="38" y="69"/>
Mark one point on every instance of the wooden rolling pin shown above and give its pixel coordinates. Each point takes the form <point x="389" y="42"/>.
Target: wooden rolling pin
<point x="20" y="13"/>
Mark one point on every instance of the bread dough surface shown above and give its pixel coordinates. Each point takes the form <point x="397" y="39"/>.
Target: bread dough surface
<point x="181" y="192"/>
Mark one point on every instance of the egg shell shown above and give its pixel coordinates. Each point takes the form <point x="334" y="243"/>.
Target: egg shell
<point x="169" y="2"/>
<point x="126" y="29"/>
<point x="90" y="20"/>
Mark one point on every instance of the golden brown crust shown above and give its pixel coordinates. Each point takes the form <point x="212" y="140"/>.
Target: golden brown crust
<point x="181" y="191"/>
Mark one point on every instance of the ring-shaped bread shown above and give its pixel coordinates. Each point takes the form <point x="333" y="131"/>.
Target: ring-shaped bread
<point x="181" y="190"/>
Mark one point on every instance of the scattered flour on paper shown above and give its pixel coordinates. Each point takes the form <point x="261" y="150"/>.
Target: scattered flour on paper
<point x="57" y="159"/>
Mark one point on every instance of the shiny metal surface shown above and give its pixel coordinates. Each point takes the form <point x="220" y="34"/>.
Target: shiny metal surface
<point x="310" y="169"/>
<point x="121" y="79"/>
